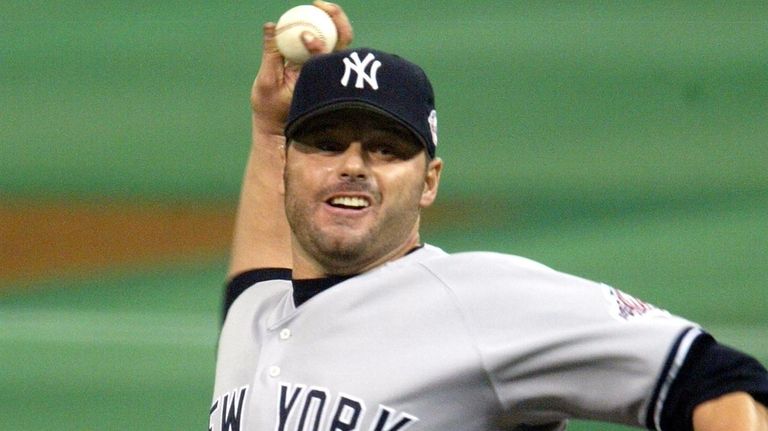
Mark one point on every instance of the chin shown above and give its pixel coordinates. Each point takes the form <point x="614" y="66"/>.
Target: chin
<point x="345" y="247"/>
<point x="345" y="255"/>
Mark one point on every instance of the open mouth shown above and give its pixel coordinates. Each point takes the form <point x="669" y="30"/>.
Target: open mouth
<point x="349" y="202"/>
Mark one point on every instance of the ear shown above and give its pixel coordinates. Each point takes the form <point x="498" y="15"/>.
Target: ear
<point x="431" y="182"/>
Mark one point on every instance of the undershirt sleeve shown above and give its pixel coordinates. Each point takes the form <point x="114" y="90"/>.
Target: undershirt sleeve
<point x="709" y="370"/>
<point x="239" y="283"/>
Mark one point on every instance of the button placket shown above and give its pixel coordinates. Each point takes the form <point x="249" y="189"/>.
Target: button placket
<point x="283" y="335"/>
<point x="274" y="340"/>
<point x="274" y="371"/>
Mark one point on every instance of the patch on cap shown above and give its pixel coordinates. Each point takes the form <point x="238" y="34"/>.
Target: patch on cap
<point x="432" y="120"/>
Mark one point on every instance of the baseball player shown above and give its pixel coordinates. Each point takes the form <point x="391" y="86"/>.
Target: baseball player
<point x="339" y="318"/>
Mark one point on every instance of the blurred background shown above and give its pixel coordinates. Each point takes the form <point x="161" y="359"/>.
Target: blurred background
<point x="626" y="142"/>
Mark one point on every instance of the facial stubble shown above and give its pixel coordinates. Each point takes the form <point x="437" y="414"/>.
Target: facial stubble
<point x="343" y="253"/>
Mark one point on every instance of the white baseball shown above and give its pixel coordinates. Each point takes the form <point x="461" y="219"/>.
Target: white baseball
<point x="296" y="21"/>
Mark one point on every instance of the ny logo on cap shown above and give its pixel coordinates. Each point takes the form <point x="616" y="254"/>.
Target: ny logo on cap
<point x="359" y="67"/>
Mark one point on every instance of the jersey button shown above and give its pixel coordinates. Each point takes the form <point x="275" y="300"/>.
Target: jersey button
<point x="285" y="334"/>
<point x="274" y="371"/>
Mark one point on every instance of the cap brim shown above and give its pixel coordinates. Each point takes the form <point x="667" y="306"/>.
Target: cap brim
<point x="295" y="127"/>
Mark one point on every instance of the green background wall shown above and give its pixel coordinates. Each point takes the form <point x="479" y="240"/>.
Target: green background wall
<point x="626" y="142"/>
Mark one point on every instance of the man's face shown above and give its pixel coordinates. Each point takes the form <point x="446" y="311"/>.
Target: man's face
<point x="354" y="186"/>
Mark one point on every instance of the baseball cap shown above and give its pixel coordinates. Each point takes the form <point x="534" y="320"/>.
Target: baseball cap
<point x="367" y="79"/>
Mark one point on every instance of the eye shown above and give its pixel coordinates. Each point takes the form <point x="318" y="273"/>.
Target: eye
<point x="383" y="149"/>
<point x="327" y="145"/>
<point x="392" y="149"/>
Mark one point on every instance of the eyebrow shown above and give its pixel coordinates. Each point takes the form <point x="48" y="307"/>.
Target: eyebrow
<point x="401" y="132"/>
<point x="312" y="128"/>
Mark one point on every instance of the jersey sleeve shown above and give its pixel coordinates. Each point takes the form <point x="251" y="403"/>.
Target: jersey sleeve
<point x="557" y="346"/>
<point x="708" y="371"/>
<point x="239" y="283"/>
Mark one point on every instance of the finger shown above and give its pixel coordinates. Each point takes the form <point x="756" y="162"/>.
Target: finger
<point x="271" y="56"/>
<point x="271" y="60"/>
<point x="340" y="19"/>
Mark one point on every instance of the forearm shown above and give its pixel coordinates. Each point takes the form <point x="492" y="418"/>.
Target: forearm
<point x="261" y="234"/>
<point x="732" y="412"/>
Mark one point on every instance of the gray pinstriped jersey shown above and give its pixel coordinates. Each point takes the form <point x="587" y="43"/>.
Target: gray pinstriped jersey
<point x="436" y="341"/>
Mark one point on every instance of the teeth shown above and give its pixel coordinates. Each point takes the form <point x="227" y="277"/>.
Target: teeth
<point x="348" y="201"/>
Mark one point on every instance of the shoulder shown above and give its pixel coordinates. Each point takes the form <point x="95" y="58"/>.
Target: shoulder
<point x="495" y="287"/>
<point x="243" y="281"/>
<point x="482" y="273"/>
<point x="257" y="299"/>
<point x="436" y="259"/>
<point x="492" y="261"/>
<point x="483" y="281"/>
<point x="492" y="269"/>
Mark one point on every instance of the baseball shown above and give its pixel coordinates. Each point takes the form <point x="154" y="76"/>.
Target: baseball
<point x="296" y="21"/>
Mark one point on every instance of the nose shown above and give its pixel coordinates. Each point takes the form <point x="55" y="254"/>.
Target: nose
<point x="353" y="164"/>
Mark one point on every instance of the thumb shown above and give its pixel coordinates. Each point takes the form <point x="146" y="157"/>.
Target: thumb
<point x="313" y="44"/>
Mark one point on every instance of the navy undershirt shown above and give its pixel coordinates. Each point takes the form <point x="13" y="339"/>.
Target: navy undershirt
<point x="304" y="290"/>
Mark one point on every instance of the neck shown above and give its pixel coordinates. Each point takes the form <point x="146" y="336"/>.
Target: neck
<point x="307" y="266"/>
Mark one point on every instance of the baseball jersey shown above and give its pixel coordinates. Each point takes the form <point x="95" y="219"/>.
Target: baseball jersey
<point x="436" y="341"/>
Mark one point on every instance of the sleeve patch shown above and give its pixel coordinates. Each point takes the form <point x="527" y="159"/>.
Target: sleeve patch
<point x="623" y="306"/>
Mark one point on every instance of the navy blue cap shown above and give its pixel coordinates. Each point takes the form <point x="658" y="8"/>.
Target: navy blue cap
<point x="367" y="79"/>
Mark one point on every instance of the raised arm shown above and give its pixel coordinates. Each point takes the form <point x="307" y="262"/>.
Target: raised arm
<point x="261" y="236"/>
